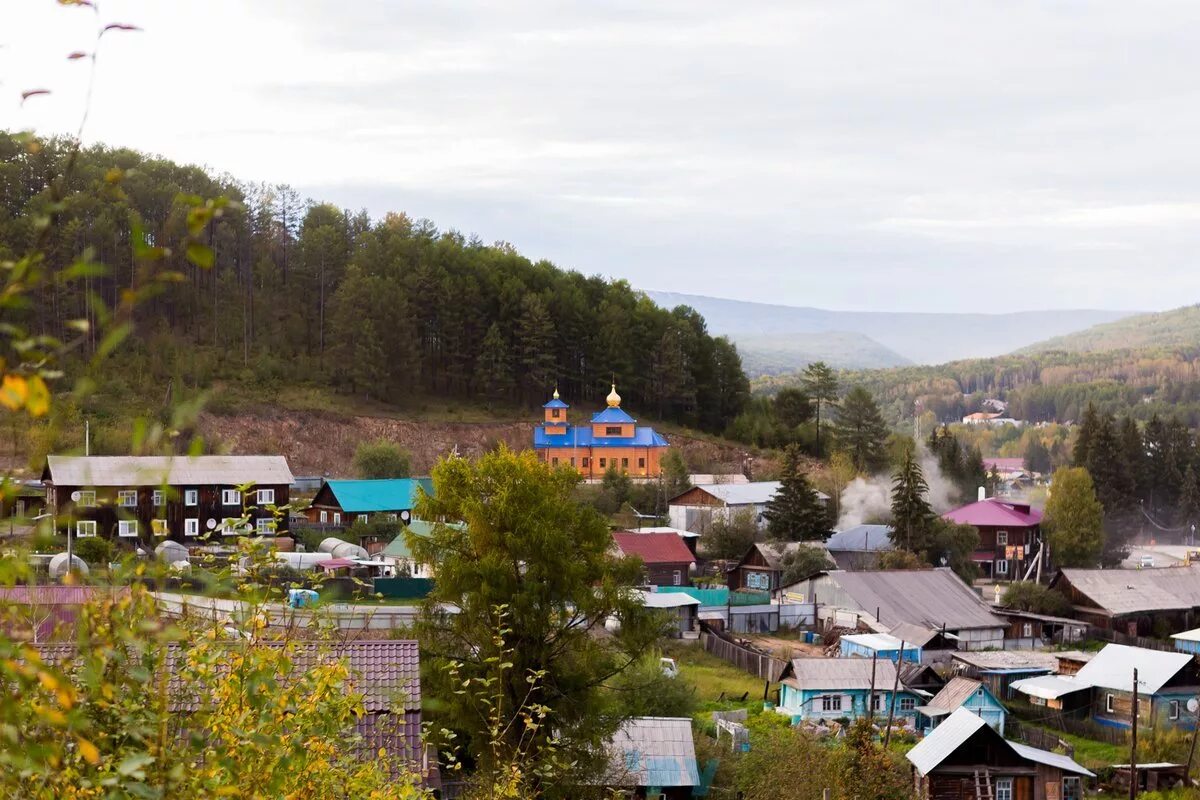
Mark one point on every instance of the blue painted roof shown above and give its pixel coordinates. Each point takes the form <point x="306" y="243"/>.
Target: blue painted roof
<point x="556" y="403"/>
<point x="581" y="436"/>
<point x="390" y="494"/>
<point x="612" y="415"/>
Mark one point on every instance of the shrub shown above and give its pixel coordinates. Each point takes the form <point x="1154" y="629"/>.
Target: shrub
<point x="94" y="550"/>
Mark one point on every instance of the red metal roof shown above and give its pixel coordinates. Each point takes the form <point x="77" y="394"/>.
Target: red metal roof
<point x="1008" y="464"/>
<point x="654" y="548"/>
<point x="995" y="513"/>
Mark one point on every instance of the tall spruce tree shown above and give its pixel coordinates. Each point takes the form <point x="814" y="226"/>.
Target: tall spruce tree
<point x="1081" y="451"/>
<point x="820" y="383"/>
<point x="912" y="516"/>
<point x="861" y="432"/>
<point x="1037" y="456"/>
<point x="796" y="513"/>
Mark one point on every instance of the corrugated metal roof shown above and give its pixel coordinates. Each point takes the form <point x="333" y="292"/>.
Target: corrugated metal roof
<point x="741" y="494"/>
<point x="955" y="693"/>
<point x="668" y="599"/>
<point x="1112" y="668"/>
<point x="1133" y="591"/>
<point x="654" y="751"/>
<point x="860" y="539"/>
<point x="994" y="512"/>
<point x="875" y="641"/>
<point x="55" y="595"/>
<point x="581" y="436"/>
<point x="654" y="548"/>
<point x="958" y="728"/>
<point x="664" y="529"/>
<point x="838" y="673"/>
<point x="925" y="597"/>
<point x="371" y="496"/>
<point x="1049" y="687"/>
<point x="612" y="415"/>
<point x="167" y="470"/>
<point x="913" y="634"/>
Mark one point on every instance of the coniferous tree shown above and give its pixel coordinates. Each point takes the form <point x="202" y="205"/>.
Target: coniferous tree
<point x="1189" y="504"/>
<point x="820" y="383"/>
<point x="493" y="369"/>
<point x="1037" y="456"/>
<point x="1081" y="451"/>
<point x="861" y="432"/>
<point x="912" y="516"/>
<point x="535" y="337"/>
<point x="796" y="513"/>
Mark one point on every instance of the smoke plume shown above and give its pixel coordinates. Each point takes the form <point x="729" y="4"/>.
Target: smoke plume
<point x="869" y="500"/>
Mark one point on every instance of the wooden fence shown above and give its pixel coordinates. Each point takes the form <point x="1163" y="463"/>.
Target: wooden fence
<point x="754" y="661"/>
<point x="1037" y="737"/>
<point x="1116" y="637"/>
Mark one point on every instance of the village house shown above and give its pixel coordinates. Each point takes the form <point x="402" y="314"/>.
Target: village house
<point x="612" y="439"/>
<point x="654" y="758"/>
<point x="689" y="538"/>
<point x="965" y="693"/>
<point x="964" y="757"/>
<point x="877" y="645"/>
<point x="999" y="669"/>
<point x="1136" y="602"/>
<point x="399" y="555"/>
<point x="1104" y="686"/>
<point x="345" y="502"/>
<point x="386" y="672"/>
<point x="936" y="601"/>
<point x="859" y="547"/>
<point x="1009" y="535"/>
<point x="839" y="688"/>
<point x="666" y="559"/>
<point x="761" y="569"/>
<point x="145" y="498"/>
<point x="682" y="609"/>
<point x="700" y="506"/>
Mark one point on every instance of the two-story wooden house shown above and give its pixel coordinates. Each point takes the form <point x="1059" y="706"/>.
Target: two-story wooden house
<point x="148" y="498"/>
<point x="1009" y="534"/>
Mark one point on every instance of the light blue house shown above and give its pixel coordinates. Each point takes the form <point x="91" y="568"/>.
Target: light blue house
<point x="965" y="693"/>
<point x="1188" y="641"/>
<point x="881" y="645"/>
<point x="834" y="688"/>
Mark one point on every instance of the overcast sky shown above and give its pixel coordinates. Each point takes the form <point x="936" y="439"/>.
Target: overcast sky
<point x="911" y="155"/>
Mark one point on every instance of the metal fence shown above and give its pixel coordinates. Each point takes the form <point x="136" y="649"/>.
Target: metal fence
<point x="754" y="661"/>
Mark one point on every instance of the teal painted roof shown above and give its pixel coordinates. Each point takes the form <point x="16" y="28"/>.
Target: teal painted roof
<point x="612" y="415"/>
<point x="398" y="547"/>
<point x="390" y="494"/>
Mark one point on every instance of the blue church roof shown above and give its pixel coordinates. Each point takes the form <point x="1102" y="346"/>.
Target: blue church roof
<point x="581" y="436"/>
<point x="613" y="415"/>
<point x="556" y="403"/>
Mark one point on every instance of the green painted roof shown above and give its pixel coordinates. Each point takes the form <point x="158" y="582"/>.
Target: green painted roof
<point x="398" y="547"/>
<point x="389" y="494"/>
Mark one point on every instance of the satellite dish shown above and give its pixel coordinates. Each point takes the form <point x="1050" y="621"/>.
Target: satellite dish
<point x="405" y="516"/>
<point x="75" y="495"/>
<point x="211" y="524"/>
<point x="1193" y="705"/>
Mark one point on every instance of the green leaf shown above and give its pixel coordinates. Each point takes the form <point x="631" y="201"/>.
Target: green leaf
<point x="201" y="255"/>
<point x="133" y="766"/>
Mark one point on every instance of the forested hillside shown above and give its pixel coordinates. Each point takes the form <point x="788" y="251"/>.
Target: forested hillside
<point x="1051" y="386"/>
<point x="306" y="293"/>
<point x="1179" y="327"/>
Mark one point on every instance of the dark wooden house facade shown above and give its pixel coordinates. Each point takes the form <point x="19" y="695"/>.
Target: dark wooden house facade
<point x="150" y="498"/>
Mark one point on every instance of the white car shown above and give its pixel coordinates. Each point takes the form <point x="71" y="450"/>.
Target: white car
<point x="1146" y="561"/>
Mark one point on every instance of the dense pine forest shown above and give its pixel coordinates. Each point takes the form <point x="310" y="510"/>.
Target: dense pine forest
<point x="390" y="309"/>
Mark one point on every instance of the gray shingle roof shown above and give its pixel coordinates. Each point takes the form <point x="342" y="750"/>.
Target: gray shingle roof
<point x="838" y="673"/>
<point x="955" y="693"/>
<point x="166" y="470"/>
<point x="654" y="751"/>
<point x="958" y="728"/>
<point x="860" y="539"/>
<point x="1133" y="591"/>
<point x="925" y="597"/>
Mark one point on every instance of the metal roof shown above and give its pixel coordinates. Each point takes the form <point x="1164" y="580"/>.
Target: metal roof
<point x="996" y="513"/>
<point x="838" y="673"/>
<point x="1031" y="660"/>
<point x="1049" y="687"/>
<point x="386" y="494"/>
<point x="654" y="548"/>
<point x="1133" y="591"/>
<point x="741" y="494"/>
<point x="958" y="728"/>
<point x="612" y="414"/>
<point x="918" y="635"/>
<point x="1112" y="668"/>
<point x="861" y="539"/>
<point x="1188" y="636"/>
<point x="954" y="694"/>
<point x="556" y="403"/>
<point x="581" y="436"/>
<point x="926" y="597"/>
<point x="668" y="599"/>
<point x="875" y="641"/>
<point x="664" y="529"/>
<point x="654" y="751"/>
<point x="398" y="547"/>
<point x="166" y="470"/>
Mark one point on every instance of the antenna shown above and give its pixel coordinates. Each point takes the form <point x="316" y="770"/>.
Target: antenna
<point x="87" y="437"/>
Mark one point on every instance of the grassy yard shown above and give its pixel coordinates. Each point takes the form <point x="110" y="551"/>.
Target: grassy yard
<point x="712" y="676"/>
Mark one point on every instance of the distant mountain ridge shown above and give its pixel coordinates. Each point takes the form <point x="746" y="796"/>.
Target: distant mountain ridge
<point x="763" y="330"/>
<point x="1179" y="327"/>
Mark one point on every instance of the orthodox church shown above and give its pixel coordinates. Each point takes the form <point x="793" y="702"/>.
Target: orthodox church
<point x="611" y="439"/>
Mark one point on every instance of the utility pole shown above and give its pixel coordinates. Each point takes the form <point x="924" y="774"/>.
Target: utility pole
<point x="887" y="735"/>
<point x="1133" y="784"/>
<point x="871" y="696"/>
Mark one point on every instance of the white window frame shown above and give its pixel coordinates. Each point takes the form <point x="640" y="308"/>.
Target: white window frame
<point x="1001" y="566"/>
<point x="229" y="526"/>
<point x="127" y="528"/>
<point x="159" y="527"/>
<point x="1027" y="630"/>
<point x="1108" y="703"/>
<point x="363" y="518"/>
<point x="337" y="518"/>
<point x="85" y="528"/>
<point x="906" y="704"/>
<point x="1173" y="709"/>
<point x="1004" y="789"/>
<point x="1001" y="539"/>
<point x="392" y="517"/>
<point x="831" y="703"/>
<point x="191" y="497"/>
<point x="191" y="526"/>
<point x="266" y="497"/>
<point x="231" y="497"/>
<point x="87" y="499"/>
<point x="158" y="498"/>
<point x="324" y="517"/>
<point x="677" y="578"/>
<point x="124" y="496"/>
<point x="264" y="525"/>
<point x="877" y="703"/>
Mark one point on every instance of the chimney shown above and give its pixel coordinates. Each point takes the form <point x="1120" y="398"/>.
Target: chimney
<point x="982" y="493"/>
